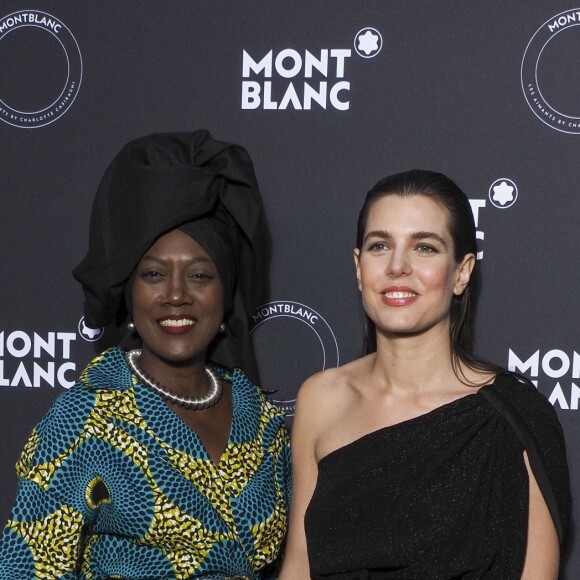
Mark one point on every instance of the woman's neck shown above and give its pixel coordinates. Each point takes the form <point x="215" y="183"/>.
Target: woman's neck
<point x="414" y="362"/>
<point x="185" y="378"/>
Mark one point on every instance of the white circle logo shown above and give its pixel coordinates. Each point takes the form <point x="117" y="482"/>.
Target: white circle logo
<point x="368" y="42"/>
<point x="299" y="344"/>
<point x="503" y="193"/>
<point x="549" y="69"/>
<point x="88" y="333"/>
<point x="45" y="70"/>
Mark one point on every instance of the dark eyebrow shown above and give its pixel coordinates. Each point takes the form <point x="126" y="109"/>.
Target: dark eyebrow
<point x="416" y="236"/>
<point x="377" y="234"/>
<point x="427" y="235"/>
<point x="200" y="259"/>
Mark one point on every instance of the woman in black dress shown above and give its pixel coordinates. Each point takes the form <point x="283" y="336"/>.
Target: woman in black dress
<point x="418" y="460"/>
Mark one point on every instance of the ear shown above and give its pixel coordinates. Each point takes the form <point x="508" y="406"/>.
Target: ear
<point x="356" y="256"/>
<point x="463" y="273"/>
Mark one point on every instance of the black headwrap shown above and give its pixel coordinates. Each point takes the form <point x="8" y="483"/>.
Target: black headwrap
<point x="208" y="189"/>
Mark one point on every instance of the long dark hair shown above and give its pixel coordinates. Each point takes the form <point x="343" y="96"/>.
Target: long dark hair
<point x="446" y="193"/>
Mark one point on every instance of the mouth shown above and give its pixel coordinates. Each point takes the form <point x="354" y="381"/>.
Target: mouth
<point x="398" y="291"/>
<point x="177" y="322"/>
<point x="399" y="294"/>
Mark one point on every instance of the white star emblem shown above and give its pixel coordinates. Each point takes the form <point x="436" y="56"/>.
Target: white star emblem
<point x="503" y="193"/>
<point x="368" y="42"/>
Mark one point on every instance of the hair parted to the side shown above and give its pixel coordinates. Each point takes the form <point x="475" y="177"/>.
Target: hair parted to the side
<point x="444" y="191"/>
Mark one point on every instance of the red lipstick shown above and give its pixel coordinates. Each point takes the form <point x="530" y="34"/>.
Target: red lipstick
<point x="398" y="296"/>
<point x="176" y="324"/>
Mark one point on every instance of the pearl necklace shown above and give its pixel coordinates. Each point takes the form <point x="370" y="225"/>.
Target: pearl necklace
<point x="193" y="403"/>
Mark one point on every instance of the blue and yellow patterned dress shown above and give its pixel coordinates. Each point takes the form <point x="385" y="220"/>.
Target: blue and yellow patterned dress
<point x="113" y="484"/>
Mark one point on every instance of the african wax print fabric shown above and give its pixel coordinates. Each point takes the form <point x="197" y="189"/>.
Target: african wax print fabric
<point x="113" y="484"/>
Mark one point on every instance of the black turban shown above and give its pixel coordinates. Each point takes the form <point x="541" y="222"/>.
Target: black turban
<point x="206" y="188"/>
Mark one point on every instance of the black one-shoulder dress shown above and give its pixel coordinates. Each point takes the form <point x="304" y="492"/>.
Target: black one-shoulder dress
<point x="441" y="496"/>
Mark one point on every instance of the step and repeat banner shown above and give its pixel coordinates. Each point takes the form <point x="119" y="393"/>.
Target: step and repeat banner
<point x="328" y="97"/>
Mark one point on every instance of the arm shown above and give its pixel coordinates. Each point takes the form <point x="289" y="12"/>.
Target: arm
<point x="543" y="550"/>
<point x="43" y="535"/>
<point x="304" y="475"/>
<point x="536" y="424"/>
<point x="42" y="538"/>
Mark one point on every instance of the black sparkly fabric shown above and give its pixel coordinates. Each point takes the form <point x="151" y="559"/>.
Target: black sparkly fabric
<point x="441" y="496"/>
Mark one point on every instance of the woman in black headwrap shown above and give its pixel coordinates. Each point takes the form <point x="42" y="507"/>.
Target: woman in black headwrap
<point x="164" y="461"/>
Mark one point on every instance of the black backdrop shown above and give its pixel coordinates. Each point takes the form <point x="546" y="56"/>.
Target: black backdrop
<point x="328" y="97"/>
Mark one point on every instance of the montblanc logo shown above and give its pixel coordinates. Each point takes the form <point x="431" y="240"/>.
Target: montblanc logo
<point x="547" y="57"/>
<point x="32" y="359"/>
<point x="40" y="359"/>
<point x="368" y="42"/>
<point x="299" y="343"/>
<point x="88" y="333"/>
<point x="40" y="92"/>
<point x="556" y="371"/>
<point x="503" y="194"/>
<point x="301" y="79"/>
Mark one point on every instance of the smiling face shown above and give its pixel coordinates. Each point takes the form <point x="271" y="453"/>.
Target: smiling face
<point x="406" y="268"/>
<point x="177" y="302"/>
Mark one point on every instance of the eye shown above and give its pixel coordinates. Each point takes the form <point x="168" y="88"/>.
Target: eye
<point x="377" y="247"/>
<point x="426" y="249"/>
<point x="201" y="277"/>
<point x="151" y="274"/>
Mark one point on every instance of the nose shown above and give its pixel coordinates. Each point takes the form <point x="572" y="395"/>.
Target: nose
<point x="178" y="292"/>
<point x="398" y="264"/>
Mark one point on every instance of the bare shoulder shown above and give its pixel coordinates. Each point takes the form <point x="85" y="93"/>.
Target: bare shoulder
<point x="327" y="395"/>
<point x="476" y="378"/>
<point x="332" y="382"/>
